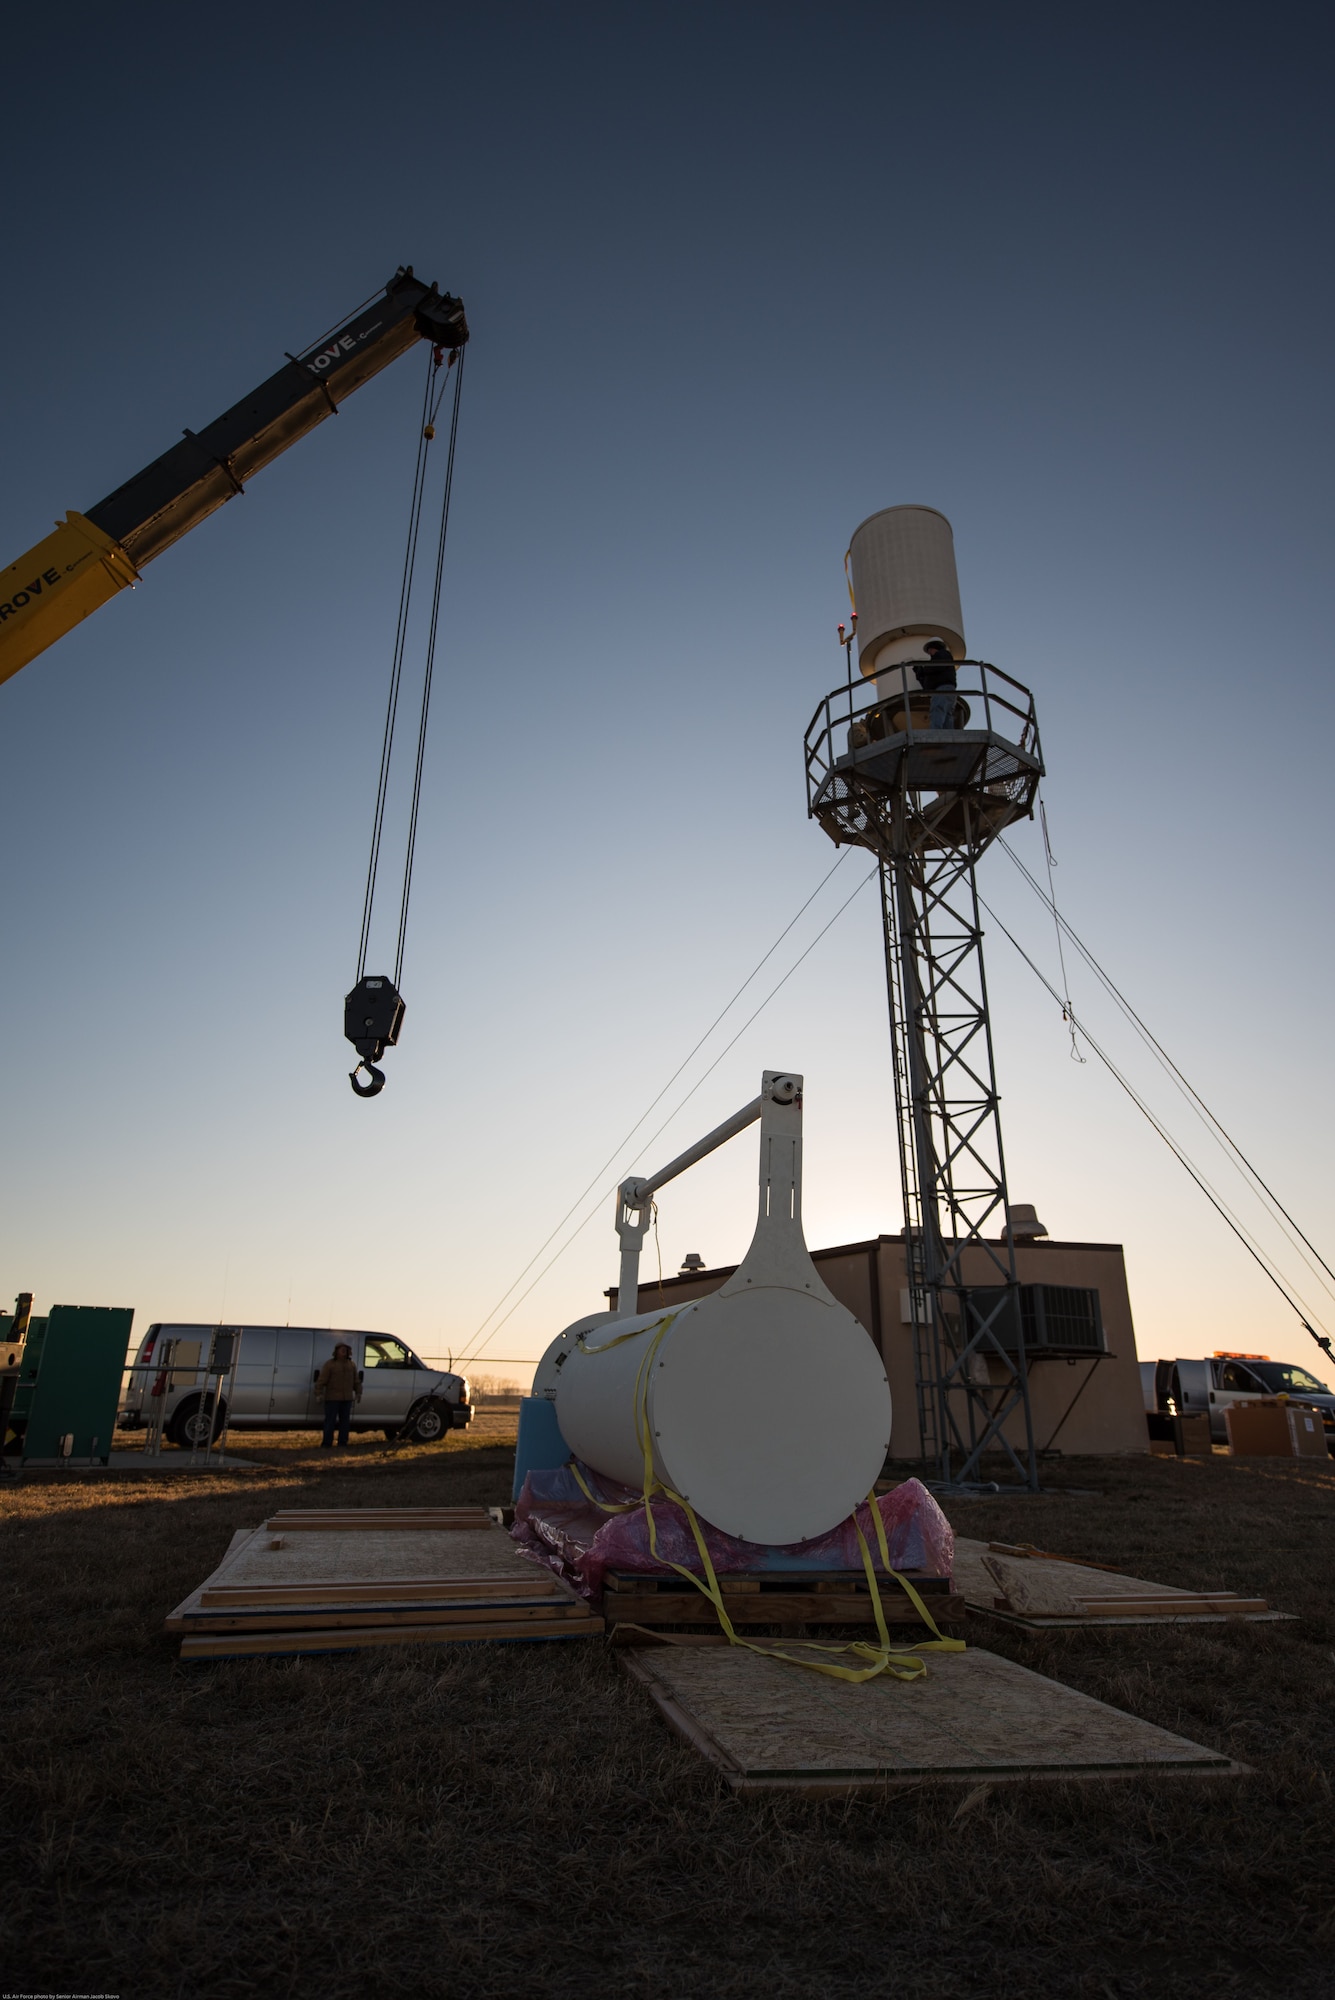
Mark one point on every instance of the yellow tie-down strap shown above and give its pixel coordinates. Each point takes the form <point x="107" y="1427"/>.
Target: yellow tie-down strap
<point x="879" y="1658"/>
<point x="46" y="593"/>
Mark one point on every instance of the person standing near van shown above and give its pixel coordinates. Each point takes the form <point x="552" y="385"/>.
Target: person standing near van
<point x="339" y="1388"/>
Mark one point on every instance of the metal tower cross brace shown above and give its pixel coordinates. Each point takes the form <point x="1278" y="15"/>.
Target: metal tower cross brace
<point x="927" y="803"/>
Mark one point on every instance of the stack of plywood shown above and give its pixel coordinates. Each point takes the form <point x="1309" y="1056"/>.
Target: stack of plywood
<point x="335" y="1579"/>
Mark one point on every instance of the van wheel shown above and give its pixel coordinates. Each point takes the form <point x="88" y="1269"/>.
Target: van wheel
<point x="189" y="1426"/>
<point x="425" y="1425"/>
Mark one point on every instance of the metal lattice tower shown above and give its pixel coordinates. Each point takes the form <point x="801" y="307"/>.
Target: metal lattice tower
<point x="928" y="802"/>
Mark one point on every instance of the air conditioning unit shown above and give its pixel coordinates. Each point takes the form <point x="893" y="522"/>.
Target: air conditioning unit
<point x="1056" y="1319"/>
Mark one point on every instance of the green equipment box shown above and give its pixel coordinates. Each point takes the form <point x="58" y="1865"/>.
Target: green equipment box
<point x="69" y="1386"/>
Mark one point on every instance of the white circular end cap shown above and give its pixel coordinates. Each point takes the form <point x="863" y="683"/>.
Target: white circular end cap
<point x="772" y="1413"/>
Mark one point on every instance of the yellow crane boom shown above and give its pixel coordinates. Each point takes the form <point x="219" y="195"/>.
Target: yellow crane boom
<point x="93" y="556"/>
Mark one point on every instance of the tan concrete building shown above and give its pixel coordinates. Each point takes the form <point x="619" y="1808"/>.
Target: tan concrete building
<point x="1082" y="1401"/>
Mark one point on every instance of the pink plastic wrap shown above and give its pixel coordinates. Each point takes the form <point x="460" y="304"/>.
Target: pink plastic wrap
<point x="556" y="1524"/>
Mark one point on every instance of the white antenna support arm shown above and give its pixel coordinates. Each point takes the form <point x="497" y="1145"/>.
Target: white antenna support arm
<point x="779" y="1104"/>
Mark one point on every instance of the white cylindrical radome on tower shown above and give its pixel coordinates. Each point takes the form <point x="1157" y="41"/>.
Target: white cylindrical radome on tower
<point x="902" y="563"/>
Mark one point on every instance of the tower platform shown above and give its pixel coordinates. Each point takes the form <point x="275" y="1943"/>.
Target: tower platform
<point x="868" y="747"/>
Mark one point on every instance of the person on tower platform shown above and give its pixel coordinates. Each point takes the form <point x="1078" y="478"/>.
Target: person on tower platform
<point x="937" y="678"/>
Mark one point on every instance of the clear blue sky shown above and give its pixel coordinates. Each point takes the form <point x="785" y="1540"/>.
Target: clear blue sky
<point x="737" y="276"/>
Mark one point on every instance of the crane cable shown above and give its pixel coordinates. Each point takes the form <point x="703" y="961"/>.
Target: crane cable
<point x="385" y="1031"/>
<point x="430" y="653"/>
<point x="396" y="667"/>
<point x="426" y="432"/>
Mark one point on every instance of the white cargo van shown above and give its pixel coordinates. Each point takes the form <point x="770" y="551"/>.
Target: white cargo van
<point x="273" y="1387"/>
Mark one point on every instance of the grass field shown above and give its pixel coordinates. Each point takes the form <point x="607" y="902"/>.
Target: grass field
<point x="516" y="1820"/>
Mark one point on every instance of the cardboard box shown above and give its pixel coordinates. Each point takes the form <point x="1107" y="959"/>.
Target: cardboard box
<point x="1259" y="1429"/>
<point x="1307" y="1433"/>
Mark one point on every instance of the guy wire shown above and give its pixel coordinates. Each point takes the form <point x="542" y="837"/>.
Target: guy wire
<point x="1321" y="1339"/>
<point x="1161" y="1054"/>
<point x="620" y="1147"/>
<point x="671" y="1115"/>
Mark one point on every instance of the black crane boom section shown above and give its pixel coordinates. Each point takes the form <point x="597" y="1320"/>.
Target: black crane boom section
<point x="177" y="491"/>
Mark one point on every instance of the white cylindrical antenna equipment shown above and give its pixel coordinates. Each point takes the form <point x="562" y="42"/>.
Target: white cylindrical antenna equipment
<point x="765" y="1404"/>
<point x="902" y="564"/>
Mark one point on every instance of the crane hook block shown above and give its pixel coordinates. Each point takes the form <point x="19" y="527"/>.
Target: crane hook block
<point x="372" y="1017"/>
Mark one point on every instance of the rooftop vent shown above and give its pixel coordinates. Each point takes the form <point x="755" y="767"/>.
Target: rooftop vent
<point x="1025" y="1225"/>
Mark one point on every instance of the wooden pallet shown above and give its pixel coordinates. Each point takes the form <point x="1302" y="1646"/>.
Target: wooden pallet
<point x="785" y="1597"/>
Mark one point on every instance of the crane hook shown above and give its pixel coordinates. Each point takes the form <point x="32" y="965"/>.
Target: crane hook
<point x="376" y="1084"/>
<point x="372" y="1018"/>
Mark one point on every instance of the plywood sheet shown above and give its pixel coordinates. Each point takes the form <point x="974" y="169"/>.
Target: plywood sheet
<point x="235" y="1645"/>
<point x="770" y="1725"/>
<point x="1035" y="1587"/>
<point x="337" y="1617"/>
<point x="357" y="1555"/>
<point x="241" y="1539"/>
<point x="314" y="1520"/>
<point x="540" y="1589"/>
<point x="1052" y="1593"/>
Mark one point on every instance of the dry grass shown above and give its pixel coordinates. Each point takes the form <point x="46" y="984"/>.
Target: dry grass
<point x="516" y="1820"/>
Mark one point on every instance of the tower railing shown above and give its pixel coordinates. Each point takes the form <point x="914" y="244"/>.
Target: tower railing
<point x="877" y="735"/>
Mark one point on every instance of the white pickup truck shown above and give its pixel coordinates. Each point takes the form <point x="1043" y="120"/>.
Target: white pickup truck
<point x="273" y="1385"/>
<point x="1208" y="1386"/>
